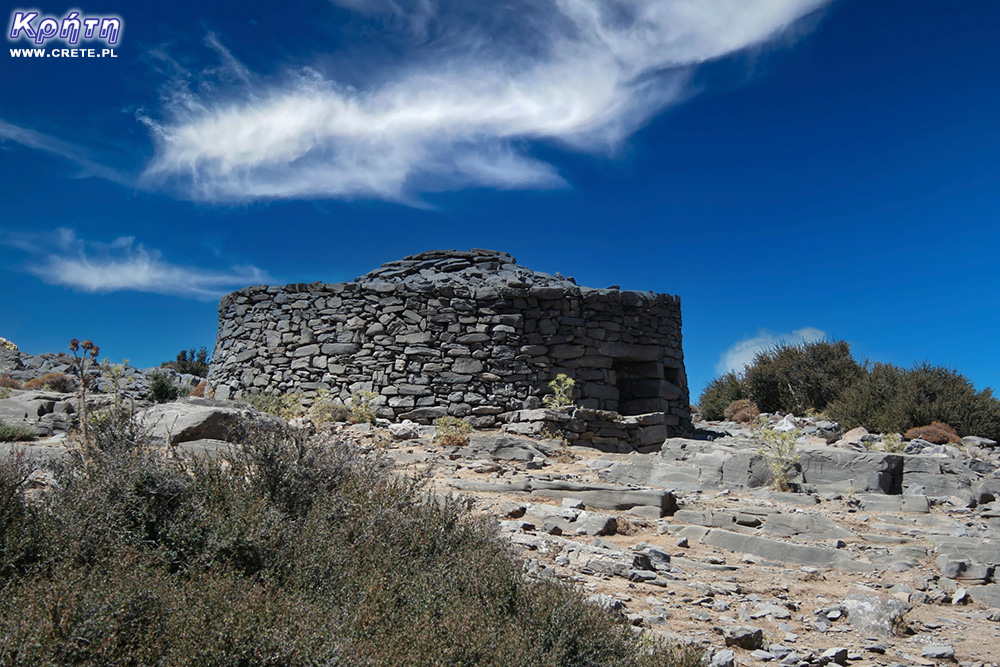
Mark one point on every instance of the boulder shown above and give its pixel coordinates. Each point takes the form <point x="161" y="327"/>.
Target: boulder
<point x="874" y="614"/>
<point x="830" y="469"/>
<point x="197" y="418"/>
<point x="405" y="430"/>
<point x="744" y="636"/>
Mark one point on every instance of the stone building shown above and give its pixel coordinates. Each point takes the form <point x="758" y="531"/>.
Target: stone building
<point x="470" y="334"/>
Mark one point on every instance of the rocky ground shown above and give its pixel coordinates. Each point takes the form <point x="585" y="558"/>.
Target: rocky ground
<point x="878" y="558"/>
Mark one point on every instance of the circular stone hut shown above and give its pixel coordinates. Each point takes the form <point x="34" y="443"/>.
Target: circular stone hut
<point x="470" y="334"/>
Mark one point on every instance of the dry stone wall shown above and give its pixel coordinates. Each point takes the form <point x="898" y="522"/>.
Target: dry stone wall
<point x="470" y="334"/>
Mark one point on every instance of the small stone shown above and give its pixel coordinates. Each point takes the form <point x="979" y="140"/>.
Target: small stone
<point x="837" y="655"/>
<point x="683" y="544"/>
<point x="938" y="652"/>
<point x="723" y="658"/>
<point x="744" y="636"/>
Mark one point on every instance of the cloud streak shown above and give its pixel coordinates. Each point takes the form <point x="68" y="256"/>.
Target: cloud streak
<point x="43" y="142"/>
<point x="62" y="258"/>
<point x="481" y="84"/>
<point x="743" y="352"/>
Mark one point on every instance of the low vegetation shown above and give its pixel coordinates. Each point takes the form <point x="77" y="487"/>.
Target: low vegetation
<point x="743" y="411"/>
<point x="286" y="406"/>
<point x="53" y="382"/>
<point x="892" y="399"/>
<point x="562" y="389"/>
<point x="360" y="407"/>
<point x="452" y="431"/>
<point x="778" y="449"/>
<point x="288" y="552"/>
<point x="15" y="433"/>
<point x="824" y="378"/>
<point x="720" y="394"/>
<point x="191" y="362"/>
<point x="937" y="433"/>
<point x="161" y="388"/>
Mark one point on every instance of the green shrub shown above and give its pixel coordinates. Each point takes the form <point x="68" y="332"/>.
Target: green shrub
<point x="360" y="407"/>
<point x="562" y="392"/>
<point x="719" y="394"/>
<point x="452" y="431"/>
<point x="288" y="553"/>
<point x="191" y="362"/>
<point x="15" y="433"/>
<point x="161" y="388"/>
<point x="800" y="378"/>
<point x="325" y="410"/>
<point x="892" y="443"/>
<point x="285" y="406"/>
<point x="890" y="399"/>
<point x="779" y="450"/>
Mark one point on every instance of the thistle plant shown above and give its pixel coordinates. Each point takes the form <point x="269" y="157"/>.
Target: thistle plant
<point x="779" y="450"/>
<point x="562" y="392"/>
<point x="84" y="358"/>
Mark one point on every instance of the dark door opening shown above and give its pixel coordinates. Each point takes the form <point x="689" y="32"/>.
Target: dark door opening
<point x="638" y="384"/>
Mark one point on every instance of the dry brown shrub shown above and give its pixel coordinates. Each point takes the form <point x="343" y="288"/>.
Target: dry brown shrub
<point x="938" y="433"/>
<point x="743" y="410"/>
<point x="199" y="391"/>
<point x="9" y="382"/>
<point x="53" y="382"/>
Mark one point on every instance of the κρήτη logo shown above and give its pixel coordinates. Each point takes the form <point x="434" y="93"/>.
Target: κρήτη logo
<point x="31" y="24"/>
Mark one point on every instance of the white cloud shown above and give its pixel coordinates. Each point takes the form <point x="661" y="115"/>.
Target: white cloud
<point x="742" y="353"/>
<point x="64" y="259"/>
<point x="482" y="81"/>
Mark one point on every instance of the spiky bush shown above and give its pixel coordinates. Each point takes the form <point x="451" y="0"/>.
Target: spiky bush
<point x="799" y="378"/>
<point x="891" y="399"/>
<point x="287" y="552"/>
<point x="719" y="395"/>
<point x="562" y="389"/>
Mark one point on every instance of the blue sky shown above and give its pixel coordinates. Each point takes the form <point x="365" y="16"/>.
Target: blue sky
<point x="790" y="168"/>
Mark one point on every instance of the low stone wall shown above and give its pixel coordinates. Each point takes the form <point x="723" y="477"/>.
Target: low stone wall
<point x="606" y="431"/>
<point x="469" y="334"/>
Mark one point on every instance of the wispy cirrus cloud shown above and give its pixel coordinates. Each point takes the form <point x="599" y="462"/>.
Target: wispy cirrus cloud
<point x="62" y="258"/>
<point x="64" y="149"/>
<point x="742" y="353"/>
<point x="463" y="106"/>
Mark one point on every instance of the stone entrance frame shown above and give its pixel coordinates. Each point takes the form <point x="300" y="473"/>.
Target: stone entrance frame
<point x="470" y="334"/>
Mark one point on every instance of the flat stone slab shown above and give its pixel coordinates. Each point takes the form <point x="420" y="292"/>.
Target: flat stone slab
<point x="607" y="496"/>
<point x="782" y="552"/>
<point x="602" y="496"/>
<point x="804" y="526"/>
